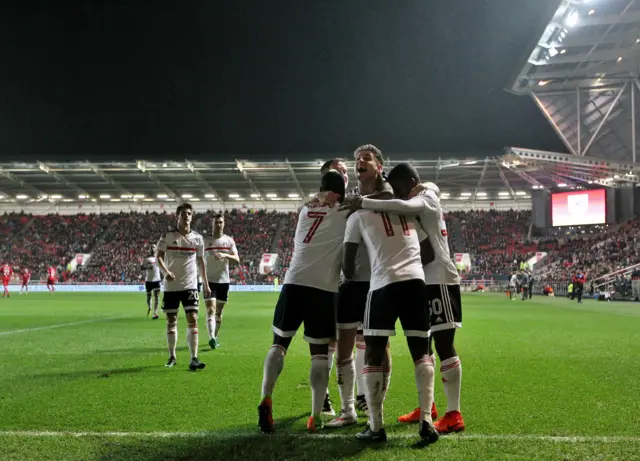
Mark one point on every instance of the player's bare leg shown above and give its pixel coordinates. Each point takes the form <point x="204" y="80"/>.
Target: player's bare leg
<point x="273" y="365"/>
<point x="346" y="371"/>
<point x="192" y="340"/>
<point x="156" y="302"/>
<point x="148" y="303"/>
<point x="172" y="338"/>
<point x="425" y="377"/>
<point x="374" y="388"/>
<point x="211" y="322"/>
<point x="451" y="374"/>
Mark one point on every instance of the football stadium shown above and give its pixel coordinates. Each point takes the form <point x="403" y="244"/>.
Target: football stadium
<point x="545" y="245"/>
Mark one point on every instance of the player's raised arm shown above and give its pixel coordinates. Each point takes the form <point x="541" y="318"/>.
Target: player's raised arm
<point x="352" y="239"/>
<point x="412" y="207"/>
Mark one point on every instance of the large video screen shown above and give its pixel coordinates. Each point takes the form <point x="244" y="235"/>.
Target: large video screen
<point x="578" y="208"/>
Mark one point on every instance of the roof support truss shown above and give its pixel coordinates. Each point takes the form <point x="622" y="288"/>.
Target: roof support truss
<point x="98" y="171"/>
<point x="61" y="179"/>
<point x="505" y="180"/>
<point x="604" y="119"/>
<point x="204" y="182"/>
<point x="37" y="193"/>
<point x="295" y="178"/>
<point x="246" y="177"/>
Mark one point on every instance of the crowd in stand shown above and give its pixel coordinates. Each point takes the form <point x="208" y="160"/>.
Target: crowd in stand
<point x="498" y="242"/>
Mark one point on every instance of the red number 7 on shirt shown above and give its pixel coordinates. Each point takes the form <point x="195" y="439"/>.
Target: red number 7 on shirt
<point x="317" y="217"/>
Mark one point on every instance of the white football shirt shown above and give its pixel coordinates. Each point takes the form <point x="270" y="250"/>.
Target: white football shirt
<point x="425" y="207"/>
<point x="181" y="252"/>
<point x="152" y="271"/>
<point x="317" y="251"/>
<point x="218" y="270"/>
<point x="392" y="245"/>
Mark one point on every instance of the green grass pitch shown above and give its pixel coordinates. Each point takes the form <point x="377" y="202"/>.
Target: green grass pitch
<point x="82" y="378"/>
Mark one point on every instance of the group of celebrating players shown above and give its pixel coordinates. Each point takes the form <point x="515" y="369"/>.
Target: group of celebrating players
<point x="361" y="261"/>
<point x="6" y="273"/>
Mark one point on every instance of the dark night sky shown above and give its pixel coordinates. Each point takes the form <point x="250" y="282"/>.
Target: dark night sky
<point x="113" y="79"/>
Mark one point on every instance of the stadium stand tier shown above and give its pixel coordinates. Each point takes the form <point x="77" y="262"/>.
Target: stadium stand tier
<point x="497" y="241"/>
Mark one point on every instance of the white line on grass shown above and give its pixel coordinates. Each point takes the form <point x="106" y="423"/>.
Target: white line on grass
<point x="60" y="325"/>
<point x="239" y="434"/>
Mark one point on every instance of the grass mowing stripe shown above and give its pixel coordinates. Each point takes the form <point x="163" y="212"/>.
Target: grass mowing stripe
<point x="237" y="434"/>
<point x="60" y="325"/>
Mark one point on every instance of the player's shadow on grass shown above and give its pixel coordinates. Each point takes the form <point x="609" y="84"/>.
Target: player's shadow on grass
<point x="98" y="373"/>
<point x="138" y="350"/>
<point x="245" y="444"/>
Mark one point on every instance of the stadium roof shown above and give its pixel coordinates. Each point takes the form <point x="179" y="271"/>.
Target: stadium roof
<point x="582" y="73"/>
<point x="509" y="175"/>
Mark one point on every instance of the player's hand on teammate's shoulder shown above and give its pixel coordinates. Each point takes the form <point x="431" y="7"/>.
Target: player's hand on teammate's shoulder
<point x="416" y="190"/>
<point x="218" y="255"/>
<point x="352" y="204"/>
<point x="170" y="277"/>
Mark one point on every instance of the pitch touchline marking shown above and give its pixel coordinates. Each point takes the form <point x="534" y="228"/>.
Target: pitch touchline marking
<point x="229" y="434"/>
<point x="60" y="325"/>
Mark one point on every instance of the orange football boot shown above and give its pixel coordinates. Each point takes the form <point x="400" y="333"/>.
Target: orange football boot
<point x="312" y="425"/>
<point x="451" y="422"/>
<point x="414" y="416"/>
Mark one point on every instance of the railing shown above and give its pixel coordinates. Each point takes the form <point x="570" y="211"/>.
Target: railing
<point x="610" y="277"/>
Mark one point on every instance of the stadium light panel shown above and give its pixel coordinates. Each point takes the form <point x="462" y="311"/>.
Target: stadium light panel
<point x="55" y="197"/>
<point x="164" y="165"/>
<point x="591" y="11"/>
<point x="563" y="51"/>
<point x="21" y="197"/>
<point x="312" y="195"/>
<point x="105" y="196"/>
<point x="504" y="197"/>
<point x="148" y="200"/>
<point x="294" y="195"/>
<point x="465" y="194"/>
<point x="186" y="196"/>
<point x="553" y="52"/>
<point x="234" y="195"/>
<point x="481" y="194"/>
<point x="444" y="194"/>
<point x="209" y="196"/>
<point x="82" y="196"/>
<point x="126" y="196"/>
<point x="255" y="195"/>
<point x="561" y="184"/>
<point x="162" y="196"/>
<point x="195" y="199"/>
<point x="543" y="82"/>
<point x="272" y="195"/>
<point x="471" y="162"/>
<point x="619" y="58"/>
<point x="116" y="200"/>
<point x="67" y="200"/>
<point x="521" y="193"/>
<point x="503" y="194"/>
<point x="138" y="196"/>
<point x="573" y="19"/>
